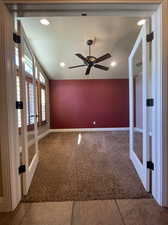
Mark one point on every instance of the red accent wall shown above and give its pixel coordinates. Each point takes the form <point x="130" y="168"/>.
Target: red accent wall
<point x="77" y="103"/>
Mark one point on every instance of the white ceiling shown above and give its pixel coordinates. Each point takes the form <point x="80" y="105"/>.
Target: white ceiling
<point x="66" y="36"/>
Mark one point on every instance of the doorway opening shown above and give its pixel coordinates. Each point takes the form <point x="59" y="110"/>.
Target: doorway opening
<point x="98" y="166"/>
<point x="35" y="99"/>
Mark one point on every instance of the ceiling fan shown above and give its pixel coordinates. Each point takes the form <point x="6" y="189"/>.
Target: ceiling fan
<point x="91" y="61"/>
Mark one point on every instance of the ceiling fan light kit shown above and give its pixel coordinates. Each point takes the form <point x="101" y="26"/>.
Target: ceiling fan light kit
<point x="91" y="61"/>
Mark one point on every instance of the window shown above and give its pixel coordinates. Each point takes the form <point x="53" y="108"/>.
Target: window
<point x="30" y="107"/>
<point x="28" y="65"/>
<point x="28" y="60"/>
<point x="37" y="102"/>
<point x="18" y="98"/>
<point x="18" y="90"/>
<point x="41" y="78"/>
<point x="43" y="105"/>
<point x="16" y="56"/>
<point x="30" y="103"/>
<point x="42" y="98"/>
<point x="39" y="92"/>
<point x="40" y="107"/>
<point x="36" y="73"/>
<point x="27" y="104"/>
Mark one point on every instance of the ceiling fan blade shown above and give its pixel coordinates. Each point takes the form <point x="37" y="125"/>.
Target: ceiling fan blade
<point x="101" y="67"/>
<point x="88" y="70"/>
<point x="102" y="58"/>
<point x="71" y="67"/>
<point x="82" y="57"/>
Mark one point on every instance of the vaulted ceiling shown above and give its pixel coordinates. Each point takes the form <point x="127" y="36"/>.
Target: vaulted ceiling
<point x="66" y="36"/>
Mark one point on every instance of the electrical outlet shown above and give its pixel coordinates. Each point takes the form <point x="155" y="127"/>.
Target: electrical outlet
<point x="94" y="122"/>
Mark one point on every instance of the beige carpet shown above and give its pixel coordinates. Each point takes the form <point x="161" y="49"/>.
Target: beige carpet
<point x="96" y="168"/>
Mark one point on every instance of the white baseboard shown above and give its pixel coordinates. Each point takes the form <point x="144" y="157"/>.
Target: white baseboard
<point x="43" y="134"/>
<point x="89" y="129"/>
<point x="138" y="129"/>
<point x="141" y="131"/>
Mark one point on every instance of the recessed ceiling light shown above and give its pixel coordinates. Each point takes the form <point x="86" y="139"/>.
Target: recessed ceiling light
<point x="62" y="64"/>
<point x="44" y="22"/>
<point x="141" y="22"/>
<point x="113" y="63"/>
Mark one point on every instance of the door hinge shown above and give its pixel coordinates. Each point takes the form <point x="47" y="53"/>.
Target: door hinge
<point x="22" y="169"/>
<point x="150" y="165"/>
<point x="150" y="37"/>
<point x="16" y="38"/>
<point x="19" y="105"/>
<point x="150" y="102"/>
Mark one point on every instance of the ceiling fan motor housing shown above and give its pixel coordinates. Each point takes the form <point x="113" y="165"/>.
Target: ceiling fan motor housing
<point x="91" y="59"/>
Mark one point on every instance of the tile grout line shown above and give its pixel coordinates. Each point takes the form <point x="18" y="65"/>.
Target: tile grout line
<point x="122" y="218"/>
<point x="72" y="214"/>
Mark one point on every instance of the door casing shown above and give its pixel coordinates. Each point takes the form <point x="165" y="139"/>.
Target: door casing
<point x="160" y="121"/>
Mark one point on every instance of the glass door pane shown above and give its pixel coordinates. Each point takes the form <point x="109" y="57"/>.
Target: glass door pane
<point x="30" y="88"/>
<point x="138" y="73"/>
<point x="138" y="103"/>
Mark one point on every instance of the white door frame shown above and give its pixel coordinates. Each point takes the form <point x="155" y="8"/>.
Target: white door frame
<point x="159" y="176"/>
<point x="159" y="92"/>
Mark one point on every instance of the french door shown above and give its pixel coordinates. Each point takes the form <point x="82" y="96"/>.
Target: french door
<point x="30" y="156"/>
<point x="138" y="78"/>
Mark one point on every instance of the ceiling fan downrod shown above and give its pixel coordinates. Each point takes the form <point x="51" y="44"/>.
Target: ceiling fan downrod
<point x="89" y="43"/>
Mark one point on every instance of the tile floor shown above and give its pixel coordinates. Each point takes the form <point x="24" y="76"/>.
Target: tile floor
<point x="100" y="212"/>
